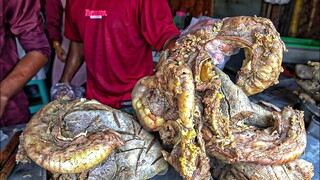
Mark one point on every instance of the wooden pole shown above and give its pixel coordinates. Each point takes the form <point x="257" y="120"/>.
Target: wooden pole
<point x="295" y="18"/>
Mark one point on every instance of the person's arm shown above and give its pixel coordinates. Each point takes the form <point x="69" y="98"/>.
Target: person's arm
<point x="27" y="67"/>
<point x="169" y="44"/>
<point x="25" y="22"/>
<point x="54" y="14"/>
<point x="75" y="51"/>
<point x="60" y="52"/>
<point x="73" y="62"/>
<point x="157" y="24"/>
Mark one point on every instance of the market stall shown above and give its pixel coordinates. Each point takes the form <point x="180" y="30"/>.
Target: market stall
<point x="273" y="94"/>
<point x="232" y="99"/>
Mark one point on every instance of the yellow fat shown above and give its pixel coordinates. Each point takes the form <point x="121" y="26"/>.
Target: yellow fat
<point x="139" y="104"/>
<point x="259" y="84"/>
<point x="149" y="122"/>
<point x="147" y="111"/>
<point x="263" y="75"/>
<point x="260" y="144"/>
<point x="141" y="113"/>
<point x="75" y="162"/>
<point x="275" y="63"/>
<point x="266" y="69"/>
<point x="206" y="72"/>
<point x="134" y="101"/>
<point x="248" y="89"/>
<point x="170" y="85"/>
<point x="159" y="121"/>
<point x="246" y="66"/>
<point x="84" y="160"/>
<point x="191" y="134"/>
<point x="219" y="96"/>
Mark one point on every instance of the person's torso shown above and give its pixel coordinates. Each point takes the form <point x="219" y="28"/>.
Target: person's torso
<point x="116" y="53"/>
<point x="17" y="109"/>
<point x="8" y="49"/>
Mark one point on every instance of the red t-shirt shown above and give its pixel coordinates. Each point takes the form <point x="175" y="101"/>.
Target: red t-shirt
<point x="118" y="37"/>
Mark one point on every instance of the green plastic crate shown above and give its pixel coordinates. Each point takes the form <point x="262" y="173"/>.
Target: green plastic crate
<point x="301" y="50"/>
<point x="301" y="43"/>
<point x="41" y="98"/>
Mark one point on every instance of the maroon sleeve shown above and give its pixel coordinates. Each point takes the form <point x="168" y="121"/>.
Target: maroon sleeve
<point x="54" y="14"/>
<point x="157" y="24"/>
<point x="70" y="31"/>
<point x="26" y="23"/>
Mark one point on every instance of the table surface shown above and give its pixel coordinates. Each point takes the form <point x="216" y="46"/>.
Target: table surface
<point x="22" y="171"/>
<point x="277" y="95"/>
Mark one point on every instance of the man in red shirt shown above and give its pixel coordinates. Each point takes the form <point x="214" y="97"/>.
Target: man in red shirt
<point x="116" y="40"/>
<point x="21" y="20"/>
<point x="55" y="25"/>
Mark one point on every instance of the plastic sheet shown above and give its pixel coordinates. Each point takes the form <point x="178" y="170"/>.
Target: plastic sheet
<point x="66" y="89"/>
<point x="277" y="1"/>
<point x="219" y="50"/>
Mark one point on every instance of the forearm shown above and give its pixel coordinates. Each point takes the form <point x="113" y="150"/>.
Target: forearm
<point x="27" y="67"/>
<point x="73" y="62"/>
<point x="170" y="42"/>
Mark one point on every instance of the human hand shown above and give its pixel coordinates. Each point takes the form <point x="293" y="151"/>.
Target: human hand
<point x="66" y="89"/>
<point x="60" y="52"/>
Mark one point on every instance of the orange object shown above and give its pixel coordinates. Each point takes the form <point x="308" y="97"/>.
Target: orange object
<point x="7" y="168"/>
<point x="9" y="148"/>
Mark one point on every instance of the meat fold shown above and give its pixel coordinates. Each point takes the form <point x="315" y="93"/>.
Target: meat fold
<point x="254" y="134"/>
<point x="294" y="170"/>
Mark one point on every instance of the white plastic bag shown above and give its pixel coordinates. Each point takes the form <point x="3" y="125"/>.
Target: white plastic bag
<point x="66" y="89"/>
<point x="220" y="51"/>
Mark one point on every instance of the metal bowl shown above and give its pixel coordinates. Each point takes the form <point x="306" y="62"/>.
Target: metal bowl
<point x="309" y="111"/>
<point x="314" y="127"/>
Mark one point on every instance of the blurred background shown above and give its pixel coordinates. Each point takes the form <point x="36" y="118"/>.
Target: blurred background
<point x="292" y="18"/>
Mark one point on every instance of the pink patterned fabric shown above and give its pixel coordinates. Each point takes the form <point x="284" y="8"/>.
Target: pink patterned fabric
<point x="21" y="19"/>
